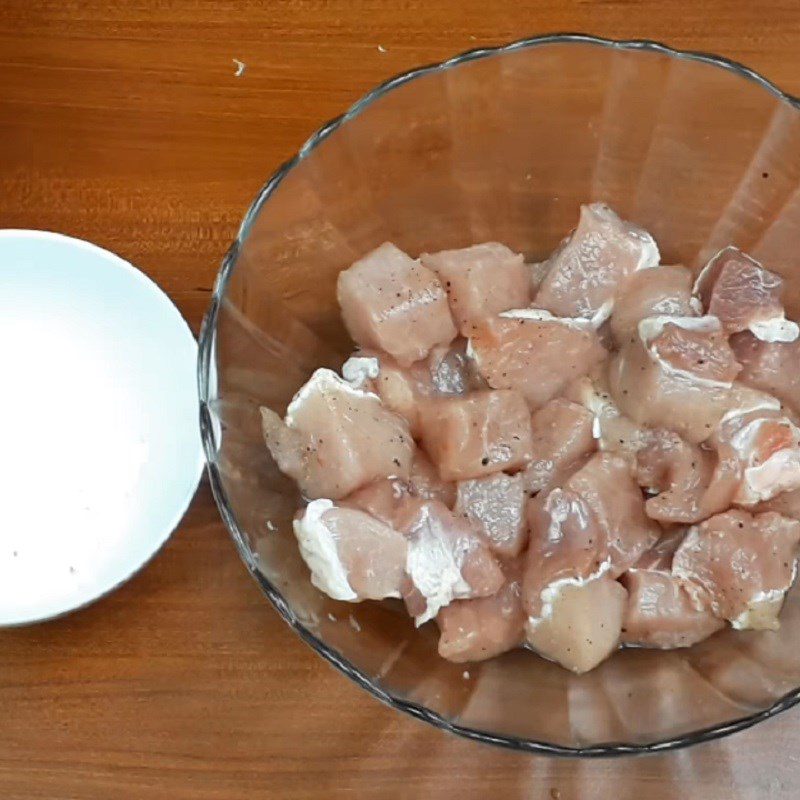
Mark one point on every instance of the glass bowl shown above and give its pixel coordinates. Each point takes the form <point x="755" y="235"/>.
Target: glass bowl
<point x="500" y="144"/>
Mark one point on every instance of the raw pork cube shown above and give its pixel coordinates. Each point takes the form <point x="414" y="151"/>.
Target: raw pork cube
<point x="758" y="451"/>
<point x="683" y="478"/>
<point x="562" y="437"/>
<point x="586" y="271"/>
<point x="744" y="296"/>
<point x="446" y="370"/>
<point x="660" y="612"/>
<point x="474" y="630"/>
<point x="771" y="367"/>
<point x="392" y="303"/>
<point x="336" y="438"/>
<point x="739" y="566"/>
<point x="352" y="556"/>
<point x="593" y="525"/>
<point x="659" y="556"/>
<point x="495" y="505"/>
<point x="662" y="291"/>
<point x="478" y="434"/>
<point x="447" y="559"/>
<point x="679" y="375"/>
<point x="480" y="281"/>
<point x="535" y="353"/>
<point x="580" y="623"/>
<point x="787" y="504"/>
<point x="612" y="430"/>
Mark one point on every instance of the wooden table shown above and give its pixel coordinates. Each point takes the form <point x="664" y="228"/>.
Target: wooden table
<point x="124" y="122"/>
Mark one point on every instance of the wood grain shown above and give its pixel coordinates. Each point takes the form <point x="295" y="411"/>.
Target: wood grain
<point x="123" y="122"/>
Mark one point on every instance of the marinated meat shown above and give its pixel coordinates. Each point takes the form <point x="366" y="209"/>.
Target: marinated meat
<point x="744" y="296"/>
<point x="336" y="438"/>
<point x="392" y="303"/>
<point x="495" y="506"/>
<point x="480" y="281"/>
<point x="562" y="437"/>
<point x="534" y="353"/>
<point x="476" y="435"/>
<point x="739" y="566"/>
<point x="660" y="612"/>
<point x="771" y="367"/>
<point x="586" y="271"/>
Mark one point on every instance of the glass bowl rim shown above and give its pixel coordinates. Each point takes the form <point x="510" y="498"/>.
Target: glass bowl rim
<point x="207" y="340"/>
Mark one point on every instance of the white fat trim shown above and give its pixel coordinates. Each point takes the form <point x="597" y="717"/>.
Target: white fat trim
<point x="435" y="570"/>
<point x="757" y="401"/>
<point x="323" y="380"/>
<point x="759" y="606"/>
<point x="357" y="370"/>
<point x="779" y="473"/>
<point x="777" y="329"/>
<point x="318" y="549"/>
<point x="540" y="315"/>
<point x="652" y="327"/>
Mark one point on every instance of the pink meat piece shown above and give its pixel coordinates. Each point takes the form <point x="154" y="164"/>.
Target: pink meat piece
<point x="562" y="438"/>
<point x="771" y="367"/>
<point x="392" y="303"/>
<point x="445" y="371"/>
<point x="336" y="438"/>
<point x="580" y="624"/>
<point x="495" y="506"/>
<point x="352" y="556"/>
<point x="474" y="630"/>
<point x="660" y="612"/>
<point x="478" y="434"/>
<point x="675" y="377"/>
<point x="786" y="504"/>
<point x="586" y="271"/>
<point x="758" y="452"/>
<point x="739" y="566"/>
<point x="659" y="556"/>
<point x="684" y="476"/>
<point x="592" y="525"/>
<point x="480" y="281"/>
<point x="534" y="353"/>
<point x="661" y="291"/>
<point x="447" y="559"/>
<point x="744" y="296"/>
<point x="425" y="483"/>
<point x="537" y="273"/>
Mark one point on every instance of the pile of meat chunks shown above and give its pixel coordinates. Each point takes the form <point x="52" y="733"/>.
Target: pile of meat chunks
<point x="589" y="452"/>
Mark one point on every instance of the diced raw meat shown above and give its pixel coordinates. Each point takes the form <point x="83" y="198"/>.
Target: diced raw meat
<point x="662" y="291"/>
<point x="336" y="438"/>
<point x="592" y="525"/>
<point x="480" y="281"/>
<point x="562" y="437"/>
<point x="679" y="376"/>
<point x="612" y="430"/>
<point x="474" y="630"/>
<point x="744" y="296"/>
<point x="478" y="434"/>
<point x="585" y="272"/>
<point x="495" y="505"/>
<point x="771" y="367"/>
<point x="787" y="504"/>
<point x="385" y="500"/>
<point x="580" y="623"/>
<point x="740" y="566"/>
<point x="660" y="612"/>
<point x="659" y="556"/>
<point x="759" y="450"/>
<point x="447" y="370"/>
<point x="683" y="476"/>
<point x="352" y="556"/>
<point x="392" y="303"/>
<point x="534" y="353"/>
<point x="425" y="483"/>
<point x="447" y="559"/>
